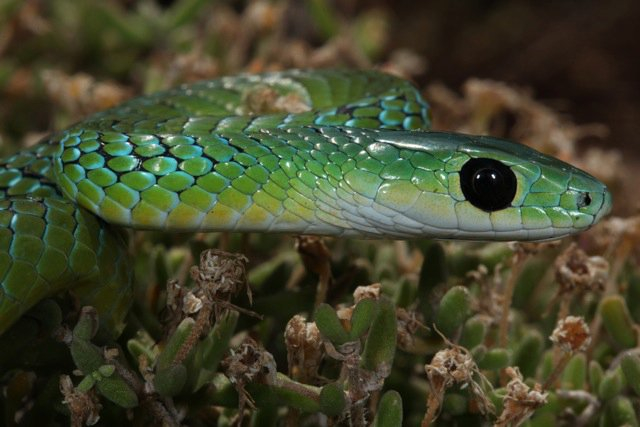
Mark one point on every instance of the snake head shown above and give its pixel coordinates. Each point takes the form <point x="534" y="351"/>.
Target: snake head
<point x="553" y="198"/>
<point x="497" y="189"/>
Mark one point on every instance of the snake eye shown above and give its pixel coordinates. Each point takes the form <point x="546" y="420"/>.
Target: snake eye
<point x="488" y="184"/>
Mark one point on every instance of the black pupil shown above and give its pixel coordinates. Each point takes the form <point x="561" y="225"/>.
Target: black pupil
<point x="488" y="184"/>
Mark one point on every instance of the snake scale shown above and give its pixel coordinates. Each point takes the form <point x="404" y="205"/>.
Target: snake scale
<point x="326" y="152"/>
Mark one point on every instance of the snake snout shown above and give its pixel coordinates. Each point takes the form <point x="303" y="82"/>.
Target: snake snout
<point x="595" y="201"/>
<point x="605" y="207"/>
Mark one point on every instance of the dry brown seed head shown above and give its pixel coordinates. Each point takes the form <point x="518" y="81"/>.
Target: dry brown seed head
<point x="449" y="366"/>
<point x="175" y="295"/>
<point x="409" y="322"/>
<point x="520" y="401"/>
<point x="245" y="364"/>
<point x="479" y="275"/>
<point x="577" y="272"/>
<point x="304" y="348"/>
<point x="489" y="300"/>
<point x="363" y="292"/>
<point x="111" y="353"/>
<point x="84" y="407"/>
<point x="294" y="332"/>
<point x="220" y="276"/>
<point x="571" y="334"/>
<point x="249" y="362"/>
<point x="344" y="314"/>
<point x="191" y="304"/>
<point x="220" y="272"/>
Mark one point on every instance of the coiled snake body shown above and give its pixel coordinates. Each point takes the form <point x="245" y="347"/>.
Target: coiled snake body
<point x="342" y="153"/>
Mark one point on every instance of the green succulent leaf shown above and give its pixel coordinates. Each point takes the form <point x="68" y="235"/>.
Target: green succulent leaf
<point x="631" y="368"/>
<point x="454" y="309"/>
<point x="175" y="343"/>
<point x="330" y="326"/>
<point x="495" y="358"/>
<point x="87" y="325"/>
<point x="118" y="391"/>
<point x="528" y="352"/>
<point x="617" y="321"/>
<point x="86" y="384"/>
<point x="620" y="412"/>
<point x="87" y="357"/>
<point x="405" y="293"/>
<point x="170" y="381"/>
<point x="361" y="318"/>
<point x="213" y="347"/>
<point x="290" y="393"/>
<point x="455" y="404"/>
<point x="595" y="375"/>
<point x="332" y="399"/>
<point x="380" y="346"/>
<point x="473" y="333"/>
<point x="478" y="353"/>
<point x="547" y="364"/>
<point x="389" y="413"/>
<point x="106" y="370"/>
<point x="138" y="348"/>
<point x="574" y="375"/>
<point x="611" y="384"/>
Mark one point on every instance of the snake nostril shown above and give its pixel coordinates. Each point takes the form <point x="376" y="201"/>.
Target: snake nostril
<point x="584" y="200"/>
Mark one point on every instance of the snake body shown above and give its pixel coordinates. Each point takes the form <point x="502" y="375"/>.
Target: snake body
<point x="343" y="153"/>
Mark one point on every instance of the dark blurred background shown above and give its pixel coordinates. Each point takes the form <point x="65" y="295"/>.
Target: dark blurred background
<point x="579" y="57"/>
<point x="582" y="56"/>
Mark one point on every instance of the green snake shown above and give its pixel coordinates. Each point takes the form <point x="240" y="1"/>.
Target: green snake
<point x="333" y="152"/>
